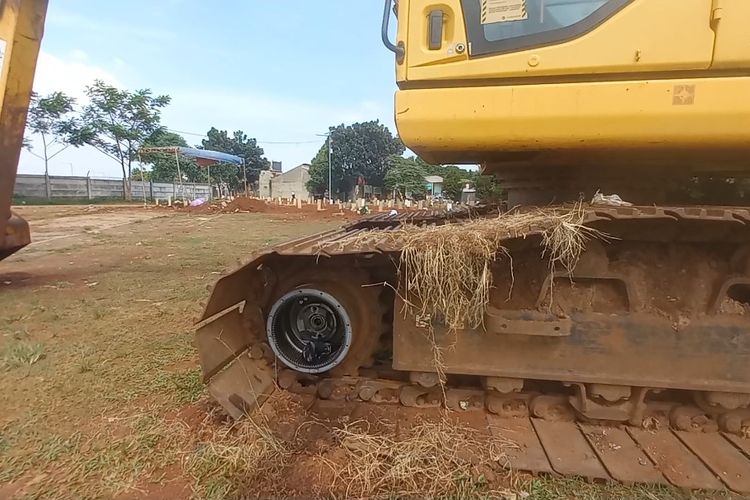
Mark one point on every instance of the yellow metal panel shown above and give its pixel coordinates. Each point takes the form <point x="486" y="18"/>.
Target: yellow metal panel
<point x="453" y="32"/>
<point x="402" y="33"/>
<point x="646" y="36"/>
<point x="21" y="27"/>
<point x="731" y="20"/>
<point x="625" y="119"/>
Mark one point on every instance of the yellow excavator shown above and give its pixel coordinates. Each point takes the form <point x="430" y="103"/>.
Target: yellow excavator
<point x="637" y="367"/>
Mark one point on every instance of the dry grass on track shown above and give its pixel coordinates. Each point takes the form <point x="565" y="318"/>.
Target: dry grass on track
<point x="446" y="270"/>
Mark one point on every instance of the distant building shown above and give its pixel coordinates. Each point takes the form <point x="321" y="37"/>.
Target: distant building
<point x="264" y="183"/>
<point x="276" y="167"/>
<point x="293" y="181"/>
<point x="434" y="185"/>
<point x="468" y="195"/>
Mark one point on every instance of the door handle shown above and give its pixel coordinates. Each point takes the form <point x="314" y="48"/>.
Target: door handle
<point x="435" y="30"/>
<point x="399" y="49"/>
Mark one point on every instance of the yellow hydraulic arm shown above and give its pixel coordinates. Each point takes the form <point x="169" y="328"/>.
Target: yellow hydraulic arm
<point x="21" y="28"/>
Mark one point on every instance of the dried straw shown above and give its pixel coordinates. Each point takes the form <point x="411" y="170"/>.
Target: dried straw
<point x="239" y="455"/>
<point x="447" y="270"/>
<point x="437" y="459"/>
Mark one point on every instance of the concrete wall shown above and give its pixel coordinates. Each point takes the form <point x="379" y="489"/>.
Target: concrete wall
<point x="264" y="183"/>
<point x="293" y="181"/>
<point x="36" y="186"/>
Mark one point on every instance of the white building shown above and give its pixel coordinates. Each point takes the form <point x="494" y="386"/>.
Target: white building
<point x="275" y="185"/>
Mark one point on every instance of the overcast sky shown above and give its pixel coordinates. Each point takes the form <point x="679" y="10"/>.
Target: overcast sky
<point x="282" y="71"/>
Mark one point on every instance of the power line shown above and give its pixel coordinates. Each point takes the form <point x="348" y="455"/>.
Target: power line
<point x="256" y="140"/>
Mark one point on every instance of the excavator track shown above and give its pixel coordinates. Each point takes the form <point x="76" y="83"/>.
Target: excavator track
<point x="558" y="444"/>
<point x="659" y="393"/>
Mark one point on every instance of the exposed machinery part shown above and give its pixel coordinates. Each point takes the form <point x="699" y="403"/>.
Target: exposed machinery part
<point x="309" y="330"/>
<point x="644" y="347"/>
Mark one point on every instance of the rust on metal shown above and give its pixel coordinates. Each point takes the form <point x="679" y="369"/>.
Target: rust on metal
<point x="621" y="456"/>
<point x="674" y="460"/>
<point x="721" y="456"/>
<point x="526" y="322"/>
<point x="527" y="453"/>
<point x="568" y="451"/>
<point x="220" y="341"/>
<point x="243" y="386"/>
<point x="740" y="442"/>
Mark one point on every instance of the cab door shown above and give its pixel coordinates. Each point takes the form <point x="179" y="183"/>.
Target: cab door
<point x="489" y="39"/>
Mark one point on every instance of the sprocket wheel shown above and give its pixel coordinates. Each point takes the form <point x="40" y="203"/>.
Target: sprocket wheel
<point x="321" y="318"/>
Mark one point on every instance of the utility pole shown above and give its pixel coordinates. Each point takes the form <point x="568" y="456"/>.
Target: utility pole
<point x="330" y="184"/>
<point x="244" y="176"/>
<point x="330" y="155"/>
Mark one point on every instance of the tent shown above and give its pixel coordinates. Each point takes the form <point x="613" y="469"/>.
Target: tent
<point x="204" y="158"/>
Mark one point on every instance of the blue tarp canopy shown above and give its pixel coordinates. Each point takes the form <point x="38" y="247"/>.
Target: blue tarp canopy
<point x="204" y="156"/>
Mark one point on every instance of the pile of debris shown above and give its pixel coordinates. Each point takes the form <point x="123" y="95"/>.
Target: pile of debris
<point x="237" y="205"/>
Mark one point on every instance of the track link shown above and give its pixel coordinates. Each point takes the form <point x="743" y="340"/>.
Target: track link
<point x="550" y="438"/>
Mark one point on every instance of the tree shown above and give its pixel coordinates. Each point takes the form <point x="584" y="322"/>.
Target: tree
<point x="454" y="179"/>
<point x="239" y="145"/>
<point x="118" y="122"/>
<point x="50" y="118"/>
<point x="164" y="165"/>
<point x="139" y="173"/>
<point x="488" y="189"/>
<point x="406" y="175"/>
<point x="360" y="150"/>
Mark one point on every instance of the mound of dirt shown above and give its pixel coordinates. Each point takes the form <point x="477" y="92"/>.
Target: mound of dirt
<point x="246" y="205"/>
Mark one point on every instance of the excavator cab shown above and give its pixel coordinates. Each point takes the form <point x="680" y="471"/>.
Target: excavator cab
<point x="21" y="28"/>
<point x="560" y="97"/>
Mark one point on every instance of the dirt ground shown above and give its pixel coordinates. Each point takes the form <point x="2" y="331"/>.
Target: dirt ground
<point x="101" y="390"/>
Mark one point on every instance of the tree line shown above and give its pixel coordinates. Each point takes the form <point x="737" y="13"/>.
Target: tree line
<point x="119" y="123"/>
<point x="367" y="153"/>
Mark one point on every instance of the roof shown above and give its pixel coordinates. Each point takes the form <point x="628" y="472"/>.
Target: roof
<point x="304" y="166"/>
<point x="433" y="179"/>
<point x="206" y="155"/>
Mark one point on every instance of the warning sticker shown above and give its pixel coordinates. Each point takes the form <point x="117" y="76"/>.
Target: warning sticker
<point x="502" y="11"/>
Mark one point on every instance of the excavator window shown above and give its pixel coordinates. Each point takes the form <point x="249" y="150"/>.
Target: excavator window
<point x="496" y="26"/>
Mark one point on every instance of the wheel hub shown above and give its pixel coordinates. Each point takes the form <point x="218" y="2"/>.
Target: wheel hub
<point x="309" y="330"/>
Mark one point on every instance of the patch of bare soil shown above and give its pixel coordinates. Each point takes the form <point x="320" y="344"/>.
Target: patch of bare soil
<point x="171" y="484"/>
<point x="307" y="211"/>
<point x="335" y="449"/>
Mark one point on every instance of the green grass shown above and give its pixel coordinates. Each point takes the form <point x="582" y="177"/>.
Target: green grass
<point x="544" y="488"/>
<point x="186" y="387"/>
<point x="22" y="353"/>
<point x="92" y="395"/>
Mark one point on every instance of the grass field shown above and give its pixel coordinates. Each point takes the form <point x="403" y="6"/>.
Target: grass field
<point x="101" y="393"/>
